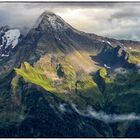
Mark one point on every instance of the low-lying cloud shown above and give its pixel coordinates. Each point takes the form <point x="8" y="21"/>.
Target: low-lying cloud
<point x="108" y="118"/>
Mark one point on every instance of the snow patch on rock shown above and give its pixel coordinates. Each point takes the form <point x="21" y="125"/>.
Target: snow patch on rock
<point x="5" y="55"/>
<point x="11" y="38"/>
<point x="109" y="42"/>
<point x="52" y="20"/>
<point x="106" y="66"/>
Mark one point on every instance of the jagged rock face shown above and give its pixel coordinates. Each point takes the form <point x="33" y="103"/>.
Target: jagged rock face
<point x="50" y="20"/>
<point x="112" y="56"/>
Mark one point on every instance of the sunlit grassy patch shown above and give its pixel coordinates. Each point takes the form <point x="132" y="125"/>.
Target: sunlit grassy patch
<point x="103" y="74"/>
<point x="35" y="76"/>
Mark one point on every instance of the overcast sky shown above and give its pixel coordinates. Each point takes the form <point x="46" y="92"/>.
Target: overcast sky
<point x="118" y="20"/>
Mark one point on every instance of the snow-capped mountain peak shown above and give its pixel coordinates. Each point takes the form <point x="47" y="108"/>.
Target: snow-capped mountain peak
<point x="9" y="40"/>
<point x="51" y="20"/>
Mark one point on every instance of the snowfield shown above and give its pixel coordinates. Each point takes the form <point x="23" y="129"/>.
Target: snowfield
<point x="9" y="41"/>
<point x="11" y="37"/>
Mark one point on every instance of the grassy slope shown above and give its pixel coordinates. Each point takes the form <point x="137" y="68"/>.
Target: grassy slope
<point x="36" y="76"/>
<point x="44" y="74"/>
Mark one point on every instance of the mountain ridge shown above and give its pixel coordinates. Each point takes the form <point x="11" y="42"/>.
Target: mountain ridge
<point x="64" y="40"/>
<point x="61" y="82"/>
